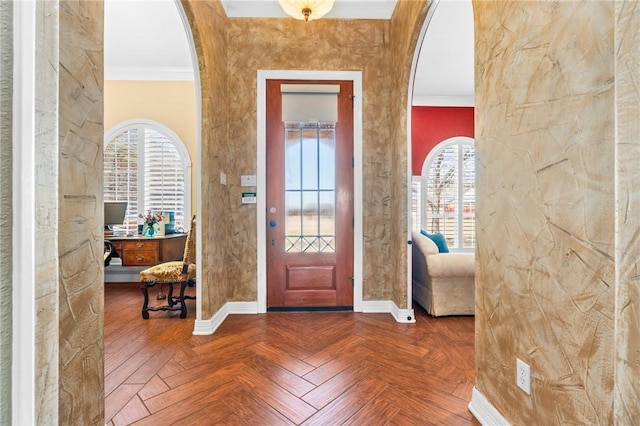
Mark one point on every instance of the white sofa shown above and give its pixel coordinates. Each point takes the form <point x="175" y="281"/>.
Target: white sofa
<point x="443" y="283"/>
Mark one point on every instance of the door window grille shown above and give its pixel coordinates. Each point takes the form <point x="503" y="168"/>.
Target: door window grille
<point x="310" y="187"/>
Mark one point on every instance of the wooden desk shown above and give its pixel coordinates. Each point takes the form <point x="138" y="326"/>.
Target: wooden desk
<point x="143" y="251"/>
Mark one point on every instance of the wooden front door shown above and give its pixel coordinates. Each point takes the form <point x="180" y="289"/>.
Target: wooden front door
<point x="309" y="204"/>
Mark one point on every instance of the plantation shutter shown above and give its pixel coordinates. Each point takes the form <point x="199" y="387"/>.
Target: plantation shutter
<point x="450" y="194"/>
<point x="143" y="167"/>
<point x="416" y="203"/>
<point x="469" y="196"/>
<point x="121" y="174"/>
<point x="164" y="187"/>
<point x="442" y="194"/>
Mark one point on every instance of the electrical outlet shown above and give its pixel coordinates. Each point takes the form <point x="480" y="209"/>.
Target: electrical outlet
<point x="523" y="376"/>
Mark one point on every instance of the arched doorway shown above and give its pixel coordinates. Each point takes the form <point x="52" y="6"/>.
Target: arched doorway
<point x="441" y="93"/>
<point x="155" y="78"/>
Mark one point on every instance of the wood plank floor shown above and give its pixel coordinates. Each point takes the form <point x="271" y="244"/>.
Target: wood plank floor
<point x="310" y="368"/>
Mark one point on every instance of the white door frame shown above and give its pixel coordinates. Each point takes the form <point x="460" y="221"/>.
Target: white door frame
<point x="23" y="372"/>
<point x="356" y="78"/>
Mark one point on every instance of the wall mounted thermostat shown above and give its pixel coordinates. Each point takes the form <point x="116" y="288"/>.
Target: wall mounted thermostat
<point x="248" y="198"/>
<point x="248" y="180"/>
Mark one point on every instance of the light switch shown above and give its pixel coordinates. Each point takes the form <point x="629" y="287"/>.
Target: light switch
<point x="248" y="180"/>
<point x="223" y="178"/>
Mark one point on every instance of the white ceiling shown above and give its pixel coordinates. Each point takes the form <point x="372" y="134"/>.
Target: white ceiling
<point x="146" y="40"/>
<point x="444" y="75"/>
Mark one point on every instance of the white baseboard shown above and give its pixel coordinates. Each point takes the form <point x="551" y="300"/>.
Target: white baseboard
<point x="484" y="412"/>
<point x="389" y="307"/>
<point x="207" y="327"/>
<point x="243" y="307"/>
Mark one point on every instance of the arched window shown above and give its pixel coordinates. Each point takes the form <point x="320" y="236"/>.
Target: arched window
<point x="449" y="192"/>
<point x="147" y="165"/>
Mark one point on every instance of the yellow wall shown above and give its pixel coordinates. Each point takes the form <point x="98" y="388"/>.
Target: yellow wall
<point x="170" y="103"/>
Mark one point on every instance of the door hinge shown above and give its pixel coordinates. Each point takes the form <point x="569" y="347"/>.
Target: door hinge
<point x="353" y="280"/>
<point x="353" y="162"/>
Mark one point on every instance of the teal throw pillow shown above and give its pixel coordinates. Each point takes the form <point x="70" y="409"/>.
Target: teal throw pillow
<point x="438" y="239"/>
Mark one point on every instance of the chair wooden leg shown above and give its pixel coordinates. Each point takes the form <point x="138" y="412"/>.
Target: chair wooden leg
<point x="183" y="306"/>
<point x="170" y="299"/>
<point x="144" y="287"/>
<point x="190" y="283"/>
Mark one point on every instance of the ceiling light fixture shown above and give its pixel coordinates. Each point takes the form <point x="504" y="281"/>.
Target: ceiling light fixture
<point x="306" y="9"/>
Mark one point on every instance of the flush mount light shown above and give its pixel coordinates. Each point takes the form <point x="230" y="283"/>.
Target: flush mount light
<point x="307" y="10"/>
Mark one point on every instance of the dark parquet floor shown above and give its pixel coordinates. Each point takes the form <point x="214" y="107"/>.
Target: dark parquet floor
<point x="309" y="368"/>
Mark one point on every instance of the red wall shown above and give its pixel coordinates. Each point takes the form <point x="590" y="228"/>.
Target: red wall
<point x="432" y="125"/>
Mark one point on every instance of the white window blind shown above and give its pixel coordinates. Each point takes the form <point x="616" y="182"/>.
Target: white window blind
<point x="121" y="174"/>
<point x="310" y="102"/>
<point x="449" y="193"/>
<point x="143" y="167"/>
<point x="163" y="176"/>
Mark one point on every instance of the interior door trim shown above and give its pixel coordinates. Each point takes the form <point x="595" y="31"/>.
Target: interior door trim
<point x="356" y="78"/>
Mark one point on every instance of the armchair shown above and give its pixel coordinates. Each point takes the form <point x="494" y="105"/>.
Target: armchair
<point x="443" y="283"/>
<point x="172" y="273"/>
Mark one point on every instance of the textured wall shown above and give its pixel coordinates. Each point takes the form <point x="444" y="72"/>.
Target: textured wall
<point x="81" y="289"/>
<point x="209" y="27"/>
<point x="545" y="208"/>
<point x="6" y="110"/>
<point x="46" y="220"/>
<point x="287" y="44"/>
<point x="231" y="51"/>
<point x="627" y="395"/>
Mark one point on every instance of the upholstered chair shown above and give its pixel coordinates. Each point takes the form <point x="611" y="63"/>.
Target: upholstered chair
<point x="172" y="273"/>
<point x="443" y="283"/>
